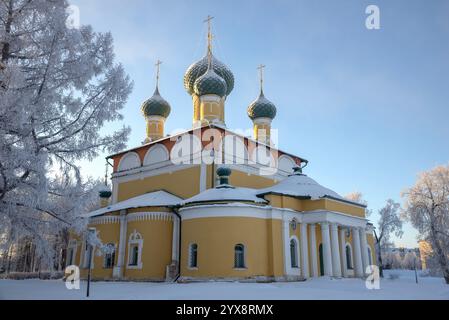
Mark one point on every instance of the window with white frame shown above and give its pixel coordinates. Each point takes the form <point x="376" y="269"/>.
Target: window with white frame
<point x="135" y="245"/>
<point x="294" y="253"/>
<point x="370" y="257"/>
<point x="109" y="256"/>
<point x="239" y="256"/>
<point x="349" y="257"/>
<point x="193" y="256"/>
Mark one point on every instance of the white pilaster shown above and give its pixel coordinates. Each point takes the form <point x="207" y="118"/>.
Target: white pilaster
<point x="313" y="250"/>
<point x="336" y="264"/>
<point x="358" y="264"/>
<point x="203" y="177"/>
<point x="364" y="248"/>
<point x="286" y="243"/>
<point x="175" y="239"/>
<point x="304" y="252"/>
<point x="344" y="267"/>
<point x="118" y="269"/>
<point x="326" y="249"/>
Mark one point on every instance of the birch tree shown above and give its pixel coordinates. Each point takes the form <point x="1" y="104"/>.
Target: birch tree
<point x="427" y="208"/>
<point x="389" y="223"/>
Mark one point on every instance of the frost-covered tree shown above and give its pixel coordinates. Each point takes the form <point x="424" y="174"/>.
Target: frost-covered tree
<point x="389" y="223"/>
<point x="58" y="87"/>
<point x="410" y="261"/>
<point x="427" y="208"/>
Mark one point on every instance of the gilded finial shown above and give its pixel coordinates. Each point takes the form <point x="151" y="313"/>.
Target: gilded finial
<point x="260" y="68"/>
<point x="209" y="34"/>
<point x="158" y="64"/>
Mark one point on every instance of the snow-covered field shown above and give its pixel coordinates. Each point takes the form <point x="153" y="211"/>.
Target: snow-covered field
<point x="402" y="288"/>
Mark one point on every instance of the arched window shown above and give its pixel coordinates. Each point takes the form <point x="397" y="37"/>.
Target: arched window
<point x="129" y="161"/>
<point x="135" y="245"/>
<point x="239" y="256"/>
<point x="370" y="257"/>
<point x="349" y="257"/>
<point x="134" y="260"/>
<point x="109" y="256"/>
<point x="294" y="253"/>
<point x="193" y="256"/>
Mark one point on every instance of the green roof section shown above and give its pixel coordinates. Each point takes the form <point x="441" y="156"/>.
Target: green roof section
<point x="262" y="108"/>
<point x="156" y="106"/>
<point x="199" y="68"/>
<point x="210" y="83"/>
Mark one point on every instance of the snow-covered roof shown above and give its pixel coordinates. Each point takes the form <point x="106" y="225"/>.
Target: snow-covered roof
<point x="153" y="199"/>
<point x="226" y="193"/>
<point x="300" y="185"/>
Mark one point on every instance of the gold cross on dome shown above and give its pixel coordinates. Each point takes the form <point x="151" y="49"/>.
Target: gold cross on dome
<point x="209" y="33"/>
<point x="260" y="68"/>
<point x="158" y="64"/>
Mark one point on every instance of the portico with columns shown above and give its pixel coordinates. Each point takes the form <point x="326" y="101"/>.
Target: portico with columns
<point x="340" y="238"/>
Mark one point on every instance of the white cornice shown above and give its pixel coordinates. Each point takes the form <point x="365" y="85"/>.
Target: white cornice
<point x="143" y="216"/>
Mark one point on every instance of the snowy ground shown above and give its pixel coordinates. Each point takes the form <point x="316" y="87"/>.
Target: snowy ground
<point x="354" y="289"/>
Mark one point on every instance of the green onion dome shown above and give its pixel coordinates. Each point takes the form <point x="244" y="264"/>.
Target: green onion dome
<point x="156" y="106"/>
<point x="105" y="192"/>
<point x="199" y="68"/>
<point x="262" y="108"/>
<point x="224" y="172"/>
<point x="210" y="83"/>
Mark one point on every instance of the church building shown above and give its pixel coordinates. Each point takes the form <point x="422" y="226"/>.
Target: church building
<point x="212" y="204"/>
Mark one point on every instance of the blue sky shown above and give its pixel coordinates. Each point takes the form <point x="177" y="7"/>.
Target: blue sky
<point x="368" y="108"/>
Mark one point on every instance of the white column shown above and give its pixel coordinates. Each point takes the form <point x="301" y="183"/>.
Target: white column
<point x="175" y="239"/>
<point x="336" y="264"/>
<point x="118" y="269"/>
<point x="286" y="236"/>
<point x="364" y="247"/>
<point x="313" y="250"/>
<point x="326" y="249"/>
<point x="344" y="267"/>
<point x="304" y="252"/>
<point x="358" y="264"/>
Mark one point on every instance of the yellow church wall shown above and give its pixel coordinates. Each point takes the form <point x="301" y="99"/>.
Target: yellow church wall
<point x="108" y="233"/>
<point x="243" y="179"/>
<point x="312" y="205"/>
<point x="333" y="205"/>
<point x="371" y="243"/>
<point x="156" y="250"/>
<point x="216" y="239"/>
<point x="182" y="183"/>
<point x="275" y="252"/>
<point x="155" y="129"/>
<point x="211" y="110"/>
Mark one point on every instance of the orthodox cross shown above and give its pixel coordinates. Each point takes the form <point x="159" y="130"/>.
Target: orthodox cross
<point x="260" y="68"/>
<point x="209" y="33"/>
<point x="158" y="64"/>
